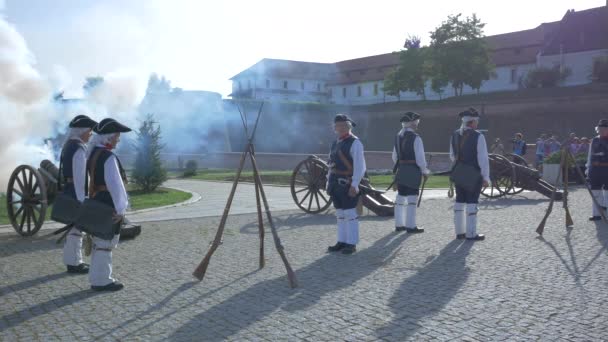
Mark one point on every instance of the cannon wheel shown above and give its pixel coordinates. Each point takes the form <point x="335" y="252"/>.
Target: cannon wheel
<point x="517" y="159"/>
<point x="308" y="182"/>
<point x="26" y="200"/>
<point x="502" y="176"/>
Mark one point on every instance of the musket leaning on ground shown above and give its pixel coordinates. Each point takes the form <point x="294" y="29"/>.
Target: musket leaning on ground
<point x="541" y="226"/>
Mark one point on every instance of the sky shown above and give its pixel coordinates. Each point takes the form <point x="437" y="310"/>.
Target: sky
<point x="199" y="45"/>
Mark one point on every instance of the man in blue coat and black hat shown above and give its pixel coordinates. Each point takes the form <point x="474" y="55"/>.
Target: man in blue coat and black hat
<point x="346" y="169"/>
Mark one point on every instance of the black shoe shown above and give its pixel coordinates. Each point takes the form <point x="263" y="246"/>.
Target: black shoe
<point x="349" y="249"/>
<point x="414" y="230"/>
<point x="477" y="237"/>
<point x="337" y="247"/>
<point x="80" y="269"/>
<point x="595" y="218"/>
<point x="400" y="229"/>
<point x="115" y="286"/>
<point x="461" y="236"/>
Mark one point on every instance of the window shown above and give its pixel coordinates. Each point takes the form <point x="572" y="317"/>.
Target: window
<point x="240" y="86"/>
<point x="302" y="85"/>
<point x="359" y="91"/>
<point x="348" y="74"/>
<point x="285" y="84"/>
<point x="362" y="72"/>
<point x="318" y="86"/>
<point x="248" y="84"/>
<point x="343" y="92"/>
<point x="517" y="51"/>
<point x="331" y="93"/>
<point x="379" y="70"/>
<point x="375" y="89"/>
<point x="267" y="83"/>
<point x="513" y="75"/>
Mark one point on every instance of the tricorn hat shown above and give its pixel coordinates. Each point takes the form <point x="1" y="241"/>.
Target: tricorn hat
<point x="409" y="117"/>
<point x="471" y="112"/>
<point x="82" y="121"/>
<point x="344" y="118"/>
<point x="109" y="126"/>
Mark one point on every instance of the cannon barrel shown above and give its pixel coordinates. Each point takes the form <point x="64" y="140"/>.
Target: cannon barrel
<point x="50" y="174"/>
<point x="49" y="167"/>
<point x="530" y="179"/>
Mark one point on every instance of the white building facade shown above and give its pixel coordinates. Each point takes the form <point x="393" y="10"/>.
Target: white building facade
<point x="573" y="43"/>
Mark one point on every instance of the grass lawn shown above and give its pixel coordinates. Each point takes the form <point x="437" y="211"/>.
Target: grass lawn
<point x="3" y="213"/>
<point x="160" y="197"/>
<point x="284" y="177"/>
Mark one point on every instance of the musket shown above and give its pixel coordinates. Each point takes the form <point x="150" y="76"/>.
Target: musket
<point x="541" y="227"/>
<point x="569" y="221"/>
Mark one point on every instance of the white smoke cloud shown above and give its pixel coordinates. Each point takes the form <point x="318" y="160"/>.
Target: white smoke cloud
<point x="28" y="114"/>
<point x="24" y="111"/>
<point x="60" y="79"/>
<point x="117" y="96"/>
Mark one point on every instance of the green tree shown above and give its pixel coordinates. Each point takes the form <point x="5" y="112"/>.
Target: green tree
<point x="459" y="54"/>
<point x="148" y="173"/>
<point x="411" y="74"/>
<point x="438" y="84"/>
<point x="393" y="84"/>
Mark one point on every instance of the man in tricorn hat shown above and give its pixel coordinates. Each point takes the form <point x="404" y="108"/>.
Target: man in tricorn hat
<point x="107" y="186"/>
<point x="410" y="167"/>
<point x="468" y="150"/>
<point x="73" y="169"/>
<point x="346" y="168"/>
<point x="597" y="168"/>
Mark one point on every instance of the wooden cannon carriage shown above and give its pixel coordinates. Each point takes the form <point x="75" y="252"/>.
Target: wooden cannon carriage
<point x="29" y="194"/>
<point x="508" y="177"/>
<point x="511" y="175"/>
<point x="308" y="182"/>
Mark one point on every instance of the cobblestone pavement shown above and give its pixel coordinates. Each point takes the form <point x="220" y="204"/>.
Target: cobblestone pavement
<point x="513" y="286"/>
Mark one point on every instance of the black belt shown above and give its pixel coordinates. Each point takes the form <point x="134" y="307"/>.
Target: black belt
<point x="342" y="173"/>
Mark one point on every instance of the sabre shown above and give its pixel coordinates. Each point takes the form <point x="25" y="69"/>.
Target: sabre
<point x="421" y="191"/>
<point x="423" y="184"/>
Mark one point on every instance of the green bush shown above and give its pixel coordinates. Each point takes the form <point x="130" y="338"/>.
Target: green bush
<point x="542" y="77"/>
<point x="190" y="169"/>
<point x="599" y="72"/>
<point x="148" y="173"/>
<point x="555" y="158"/>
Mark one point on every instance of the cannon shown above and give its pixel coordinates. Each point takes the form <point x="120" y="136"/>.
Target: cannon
<point x="511" y="177"/>
<point x="308" y="182"/>
<point x="508" y="177"/>
<point x="29" y="194"/>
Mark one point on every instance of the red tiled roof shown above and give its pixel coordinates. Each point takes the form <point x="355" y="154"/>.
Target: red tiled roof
<point x="366" y="69"/>
<point x="577" y="31"/>
<point x="580" y="31"/>
<point x="535" y="36"/>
